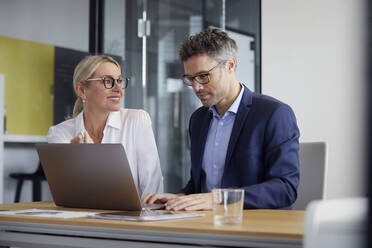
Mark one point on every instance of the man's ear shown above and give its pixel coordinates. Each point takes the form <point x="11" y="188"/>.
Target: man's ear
<point x="231" y="64"/>
<point x="80" y="90"/>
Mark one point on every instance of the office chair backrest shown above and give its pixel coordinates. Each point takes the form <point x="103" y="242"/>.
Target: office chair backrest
<point x="340" y="223"/>
<point x="313" y="173"/>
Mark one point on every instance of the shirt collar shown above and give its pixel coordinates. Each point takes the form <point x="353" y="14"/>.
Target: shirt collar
<point x="113" y="120"/>
<point x="234" y="106"/>
<point x="79" y="124"/>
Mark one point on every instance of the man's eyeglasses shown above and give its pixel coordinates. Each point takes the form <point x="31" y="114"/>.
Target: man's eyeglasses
<point x="109" y="82"/>
<point x="202" y="78"/>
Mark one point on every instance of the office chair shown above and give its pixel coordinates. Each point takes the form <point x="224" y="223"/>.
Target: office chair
<point x="313" y="173"/>
<point x="36" y="178"/>
<point x="340" y="223"/>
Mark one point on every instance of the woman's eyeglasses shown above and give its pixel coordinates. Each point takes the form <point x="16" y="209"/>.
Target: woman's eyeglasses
<point x="109" y="82"/>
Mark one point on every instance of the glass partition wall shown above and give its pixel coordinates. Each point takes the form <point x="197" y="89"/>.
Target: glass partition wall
<point x="146" y="35"/>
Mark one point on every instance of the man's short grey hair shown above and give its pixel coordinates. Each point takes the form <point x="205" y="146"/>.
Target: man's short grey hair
<point x="211" y="41"/>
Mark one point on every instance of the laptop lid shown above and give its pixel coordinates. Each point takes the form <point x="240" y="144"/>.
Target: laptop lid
<point x="89" y="176"/>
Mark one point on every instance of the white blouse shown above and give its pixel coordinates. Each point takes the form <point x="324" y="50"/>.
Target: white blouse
<point x="132" y="128"/>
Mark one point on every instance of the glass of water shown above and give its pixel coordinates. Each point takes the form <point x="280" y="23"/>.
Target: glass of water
<point x="228" y="206"/>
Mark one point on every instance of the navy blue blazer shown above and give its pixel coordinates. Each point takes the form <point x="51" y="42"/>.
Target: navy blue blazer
<point x="262" y="155"/>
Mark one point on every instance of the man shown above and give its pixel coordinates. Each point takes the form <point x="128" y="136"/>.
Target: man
<point x="239" y="139"/>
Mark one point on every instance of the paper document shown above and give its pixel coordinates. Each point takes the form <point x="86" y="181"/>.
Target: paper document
<point x="145" y="215"/>
<point x="48" y="213"/>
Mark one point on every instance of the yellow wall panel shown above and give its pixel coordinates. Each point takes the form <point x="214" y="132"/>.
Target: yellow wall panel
<point x="29" y="76"/>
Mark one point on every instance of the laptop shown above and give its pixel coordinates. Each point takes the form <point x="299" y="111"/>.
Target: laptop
<point x="93" y="176"/>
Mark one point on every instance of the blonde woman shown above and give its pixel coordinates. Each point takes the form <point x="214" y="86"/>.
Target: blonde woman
<point x="98" y="118"/>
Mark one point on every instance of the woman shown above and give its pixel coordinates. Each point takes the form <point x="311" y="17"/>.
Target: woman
<point x="98" y="118"/>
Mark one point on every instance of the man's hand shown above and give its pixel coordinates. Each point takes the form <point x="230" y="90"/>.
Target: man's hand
<point x="190" y="202"/>
<point x="86" y="140"/>
<point x="158" y="198"/>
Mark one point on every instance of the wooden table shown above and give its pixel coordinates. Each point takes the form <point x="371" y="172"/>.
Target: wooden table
<point x="260" y="228"/>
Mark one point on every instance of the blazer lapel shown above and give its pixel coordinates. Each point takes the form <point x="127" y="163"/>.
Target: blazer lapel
<point x="200" y="145"/>
<point x="241" y="115"/>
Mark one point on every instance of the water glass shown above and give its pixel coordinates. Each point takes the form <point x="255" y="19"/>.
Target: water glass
<point x="227" y="206"/>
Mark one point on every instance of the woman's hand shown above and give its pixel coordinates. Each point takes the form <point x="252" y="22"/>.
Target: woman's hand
<point x="86" y="139"/>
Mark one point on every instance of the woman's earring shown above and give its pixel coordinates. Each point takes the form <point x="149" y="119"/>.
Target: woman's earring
<point x="83" y="100"/>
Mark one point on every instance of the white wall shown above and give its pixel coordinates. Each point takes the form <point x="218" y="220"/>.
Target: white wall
<point x="313" y="59"/>
<point x="63" y="23"/>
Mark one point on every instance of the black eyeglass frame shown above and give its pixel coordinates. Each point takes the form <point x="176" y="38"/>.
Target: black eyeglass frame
<point x="109" y="81"/>
<point x="188" y="80"/>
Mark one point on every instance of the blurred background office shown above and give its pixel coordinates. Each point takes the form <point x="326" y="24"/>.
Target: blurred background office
<point x="40" y="48"/>
<point x="309" y="54"/>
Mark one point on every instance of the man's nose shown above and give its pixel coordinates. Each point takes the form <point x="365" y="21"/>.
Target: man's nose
<point x="196" y="85"/>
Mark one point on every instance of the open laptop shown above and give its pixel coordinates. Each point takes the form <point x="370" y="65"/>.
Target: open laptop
<point x="94" y="176"/>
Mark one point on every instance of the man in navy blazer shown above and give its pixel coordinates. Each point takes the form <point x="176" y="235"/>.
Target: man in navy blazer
<point x="239" y="139"/>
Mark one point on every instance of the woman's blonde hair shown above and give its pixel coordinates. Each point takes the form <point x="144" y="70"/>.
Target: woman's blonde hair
<point x="84" y="70"/>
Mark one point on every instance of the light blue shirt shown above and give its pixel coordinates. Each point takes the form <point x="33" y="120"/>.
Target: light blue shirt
<point x="217" y="143"/>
